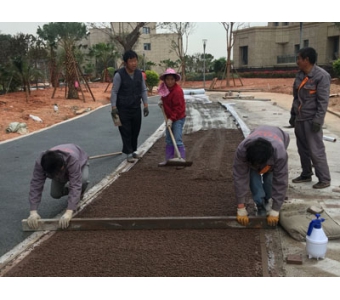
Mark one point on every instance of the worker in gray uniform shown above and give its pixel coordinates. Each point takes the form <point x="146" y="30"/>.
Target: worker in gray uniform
<point x="68" y="168"/>
<point x="261" y="163"/>
<point x="311" y="96"/>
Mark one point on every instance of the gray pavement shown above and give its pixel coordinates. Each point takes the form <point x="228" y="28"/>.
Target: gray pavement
<point x="94" y="132"/>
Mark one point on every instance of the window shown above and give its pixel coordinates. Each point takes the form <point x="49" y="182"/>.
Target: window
<point x="285" y="23"/>
<point x="296" y="48"/>
<point x="276" y="23"/>
<point x="305" y="43"/>
<point x="244" y="55"/>
<point x="146" y="30"/>
<point x="147" y="46"/>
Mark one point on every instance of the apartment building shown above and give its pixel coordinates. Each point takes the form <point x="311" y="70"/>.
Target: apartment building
<point x="275" y="45"/>
<point x="151" y="45"/>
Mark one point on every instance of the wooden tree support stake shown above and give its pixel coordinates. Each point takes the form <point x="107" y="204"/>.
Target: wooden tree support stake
<point x="148" y="223"/>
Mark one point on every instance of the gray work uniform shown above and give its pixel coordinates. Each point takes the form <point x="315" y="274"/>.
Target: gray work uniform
<point x="74" y="176"/>
<point x="278" y="164"/>
<point x="310" y="104"/>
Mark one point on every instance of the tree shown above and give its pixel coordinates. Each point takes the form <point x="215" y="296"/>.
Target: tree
<point x="152" y="79"/>
<point x="182" y="30"/>
<point x="229" y="28"/>
<point x="126" y="34"/>
<point x="103" y="53"/>
<point x="336" y="67"/>
<point x="67" y="34"/>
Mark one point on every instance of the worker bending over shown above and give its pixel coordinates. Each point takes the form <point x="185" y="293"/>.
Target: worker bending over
<point x="67" y="165"/>
<point x="261" y="162"/>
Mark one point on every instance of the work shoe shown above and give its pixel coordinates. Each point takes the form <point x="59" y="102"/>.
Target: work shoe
<point x="130" y="158"/>
<point x="321" y="185"/>
<point x="301" y="179"/>
<point x="136" y="155"/>
<point x="261" y="210"/>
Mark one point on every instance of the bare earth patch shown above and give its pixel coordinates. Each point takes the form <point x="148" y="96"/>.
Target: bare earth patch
<point x="15" y="108"/>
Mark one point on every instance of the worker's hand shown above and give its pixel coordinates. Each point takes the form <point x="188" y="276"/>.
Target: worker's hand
<point x="242" y="216"/>
<point x="65" y="219"/>
<point x="292" y="121"/>
<point x="114" y="112"/>
<point x="160" y="104"/>
<point x="273" y="218"/>
<point x="316" y="127"/>
<point x="33" y="219"/>
<point x="146" y="111"/>
<point x="169" y="123"/>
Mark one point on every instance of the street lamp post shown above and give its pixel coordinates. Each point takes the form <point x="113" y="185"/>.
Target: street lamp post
<point x="144" y="61"/>
<point x="204" y="44"/>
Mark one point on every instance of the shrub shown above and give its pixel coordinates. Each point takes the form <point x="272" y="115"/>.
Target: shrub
<point x="336" y="67"/>
<point x="152" y="79"/>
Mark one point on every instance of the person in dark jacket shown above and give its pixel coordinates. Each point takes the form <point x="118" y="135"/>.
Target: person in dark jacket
<point x="261" y="163"/>
<point x="68" y="168"/>
<point x="127" y="92"/>
<point x="311" y="96"/>
<point x="173" y="103"/>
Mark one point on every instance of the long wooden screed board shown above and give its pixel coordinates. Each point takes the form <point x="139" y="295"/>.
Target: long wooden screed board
<point x="149" y="223"/>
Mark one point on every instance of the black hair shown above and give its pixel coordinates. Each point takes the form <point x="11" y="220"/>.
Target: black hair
<point x="129" y="54"/>
<point x="52" y="162"/>
<point x="259" y="151"/>
<point x="310" y="53"/>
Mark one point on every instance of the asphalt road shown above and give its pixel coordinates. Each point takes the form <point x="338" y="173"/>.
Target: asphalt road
<point x="93" y="132"/>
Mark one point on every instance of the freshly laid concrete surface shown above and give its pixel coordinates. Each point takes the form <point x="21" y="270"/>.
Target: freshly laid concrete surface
<point x="277" y="112"/>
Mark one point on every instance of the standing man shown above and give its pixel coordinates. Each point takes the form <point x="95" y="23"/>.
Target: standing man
<point x="127" y="92"/>
<point x="261" y="162"/>
<point x="67" y="166"/>
<point x="311" y="96"/>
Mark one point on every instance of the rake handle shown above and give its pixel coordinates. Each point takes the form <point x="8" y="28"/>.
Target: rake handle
<point x="171" y="134"/>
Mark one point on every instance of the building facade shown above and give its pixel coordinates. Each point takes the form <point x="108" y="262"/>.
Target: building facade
<point x="275" y="46"/>
<point x="151" y="46"/>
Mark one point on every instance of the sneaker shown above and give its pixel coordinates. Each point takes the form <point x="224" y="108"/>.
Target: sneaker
<point x="321" y="185"/>
<point x="301" y="179"/>
<point x="130" y="158"/>
<point x="135" y="155"/>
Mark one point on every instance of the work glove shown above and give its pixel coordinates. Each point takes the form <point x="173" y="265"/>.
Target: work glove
<point x="65" y="219"/>
<point x="242" y="216"/>
<point x="160" y="104"/>
<point x="273" y="218"/>
<point x="169" y="123"/>
<point x="292" y="121"/>
<point x="114" y="112"/>
<point x="316" y="127"/>
<point x="146" y="111"/>
<point x="33" y="219"/>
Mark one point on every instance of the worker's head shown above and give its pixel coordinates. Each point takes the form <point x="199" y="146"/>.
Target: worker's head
<point x="259" y="152"/>
<point x="130" y="59"/>
<point x="52" y="162"/>
<point x="170" y="77"/>
<point x="307" y="54"/>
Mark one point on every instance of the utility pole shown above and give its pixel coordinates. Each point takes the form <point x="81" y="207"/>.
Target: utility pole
<point x="301" y="35"/>
<point x="204" y="45"/>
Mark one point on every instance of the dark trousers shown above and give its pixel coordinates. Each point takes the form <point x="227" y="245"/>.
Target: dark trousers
<point x="129" y="131"/>
<point x="311" y="149"/>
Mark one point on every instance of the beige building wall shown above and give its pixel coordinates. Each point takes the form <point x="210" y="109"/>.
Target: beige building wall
<point x="153" y="46"/>
<point x="276" y="45"/>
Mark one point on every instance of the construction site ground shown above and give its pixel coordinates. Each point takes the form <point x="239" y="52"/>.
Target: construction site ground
<point x="205" y="189"/>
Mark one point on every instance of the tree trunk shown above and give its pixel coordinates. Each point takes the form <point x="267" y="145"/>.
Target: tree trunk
<point x="71" y="76"/>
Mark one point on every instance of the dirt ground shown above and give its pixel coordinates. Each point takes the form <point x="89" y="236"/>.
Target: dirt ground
<point x="15" y="108"/>
<point x="204" y="189"/>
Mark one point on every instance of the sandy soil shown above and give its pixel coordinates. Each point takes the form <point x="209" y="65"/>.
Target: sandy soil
<point x="15" y="108"/>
